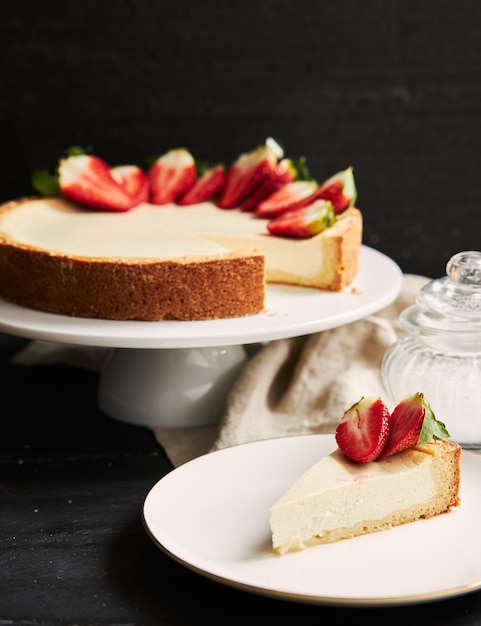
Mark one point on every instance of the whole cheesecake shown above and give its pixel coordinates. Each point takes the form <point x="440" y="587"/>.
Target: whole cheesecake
<point x="154" y="262"/>
<point x="339" y="499"/>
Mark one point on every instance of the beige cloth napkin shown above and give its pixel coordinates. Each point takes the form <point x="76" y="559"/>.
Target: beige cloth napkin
<point x="290" y="386"/>
<point x="300" y="385"/>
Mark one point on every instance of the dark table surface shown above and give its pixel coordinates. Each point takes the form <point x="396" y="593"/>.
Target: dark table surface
<point x="73" y="549"/>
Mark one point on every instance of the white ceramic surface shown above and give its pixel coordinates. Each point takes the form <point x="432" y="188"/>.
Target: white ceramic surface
<point x="171" y="387"/>
<point x="212" y="515"/>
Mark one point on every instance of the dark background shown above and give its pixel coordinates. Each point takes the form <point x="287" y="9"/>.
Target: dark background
<point x="392" y="87"/>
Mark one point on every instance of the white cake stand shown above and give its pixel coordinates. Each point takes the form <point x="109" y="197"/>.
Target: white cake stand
<point x="174" y="373"/>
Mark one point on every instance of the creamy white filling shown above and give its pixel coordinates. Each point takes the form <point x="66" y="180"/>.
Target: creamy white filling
<point x="338" y="494"/>
<point x="145" y="231"/>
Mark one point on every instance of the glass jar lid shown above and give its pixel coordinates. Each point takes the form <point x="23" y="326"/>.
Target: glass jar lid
<point x="451" y="304"/>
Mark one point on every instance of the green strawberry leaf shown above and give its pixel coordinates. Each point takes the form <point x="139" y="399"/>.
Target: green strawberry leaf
<point x="302" y="171"/>
<point x="76" y="150"/>
<point x="432" y="428"/>
<point x="201" y="166"/>
<point x="45" y="183"/>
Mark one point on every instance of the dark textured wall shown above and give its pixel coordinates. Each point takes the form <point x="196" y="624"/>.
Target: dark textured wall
<point x="392" y="87"/>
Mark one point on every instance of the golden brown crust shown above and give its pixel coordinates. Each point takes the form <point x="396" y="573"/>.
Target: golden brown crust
<point x="342" y="243"/>
<point x="231" y="285"/>
<point x="446" y="473"/>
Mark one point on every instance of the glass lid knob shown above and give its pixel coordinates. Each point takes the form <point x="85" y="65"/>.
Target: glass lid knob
<point x="458" y="294"/>
<point x="465" y="267"/>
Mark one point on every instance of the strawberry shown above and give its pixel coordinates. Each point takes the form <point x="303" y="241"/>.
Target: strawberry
<point x="208" y="183"/>
<point x="247" y="172"/>
<point x="288" y="197"/>
<point x="303" y="222"/>
<point x="412" y="422"/>
<point x="171" y="176"/>
<point x="134" y="180"/>
<point x="340" y="189"/>
<point x="286" y="171"/>
<point x="87" y="180"/>
<point x="364" y="429"/>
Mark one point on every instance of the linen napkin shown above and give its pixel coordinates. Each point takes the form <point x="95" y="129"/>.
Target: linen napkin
<point x="300" y="385"/>
<point x="291" y="386"/>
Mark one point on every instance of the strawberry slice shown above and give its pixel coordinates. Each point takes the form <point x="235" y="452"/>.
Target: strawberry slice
<point x="364" y="429"/>
<point x="290" y="196"/>
<point x="86" y="180"/>
<point x="412" y="422"/>
<point x="209" y="183"/>
<point x="247" y="172"/>
<point x="134" y="180"/>
<point x="286" y="171"/>
<point x="339" y="189"/>
<point x="303" y="222"/>
<point x="171" y="176"/>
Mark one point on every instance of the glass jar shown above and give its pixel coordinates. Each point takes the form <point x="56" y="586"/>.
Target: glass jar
<point x="439" y="352"/>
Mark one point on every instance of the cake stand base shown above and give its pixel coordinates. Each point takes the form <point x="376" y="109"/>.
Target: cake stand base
<point x="169" y="387"/>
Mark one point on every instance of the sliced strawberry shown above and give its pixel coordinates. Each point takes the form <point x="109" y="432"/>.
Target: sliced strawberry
<point x="304" y="221"/>
<point x="288" y="197"/>
<point x="364" y="429"/>
<point x="134" y="180"/>
<point x="284" y="172"/>
<point x="412" y="422"/>
<point x="209" y="183"/>
<point x="171" y="176"/>
<point x="86" y="180"/>
<point x="339" y="189"/>
<point x="246" y="173"/>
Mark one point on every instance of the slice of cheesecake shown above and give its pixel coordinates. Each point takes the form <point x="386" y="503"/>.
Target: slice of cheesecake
<point x="338" y="499"/>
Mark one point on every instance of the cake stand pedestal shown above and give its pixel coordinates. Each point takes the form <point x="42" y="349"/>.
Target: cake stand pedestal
<point x="169" y="387"/>
<point x="174" y="373"/>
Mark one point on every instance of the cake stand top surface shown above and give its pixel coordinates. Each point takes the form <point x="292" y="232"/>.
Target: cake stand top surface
<point x="289" y="312"/>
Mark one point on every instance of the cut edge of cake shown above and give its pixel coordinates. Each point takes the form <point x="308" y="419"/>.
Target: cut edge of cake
<point x="442" y="456"/>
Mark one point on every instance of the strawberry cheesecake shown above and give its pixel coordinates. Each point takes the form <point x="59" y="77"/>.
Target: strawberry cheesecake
<point x="339" y="498"/>
<point x="173" y="243"/>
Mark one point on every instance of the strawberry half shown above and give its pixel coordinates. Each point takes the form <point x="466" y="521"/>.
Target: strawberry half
<point x="209" y="183"/>
<point x="246" y="173"/>
<point x="303" y="222"/>
<point x="134" y="181"/>
<point x="290" y="196"/>
<point x="284" y="172"/>
<point x="364" y="429"/>
<point x="171" y="176"/>
<point x="86" y="180"/>
<point x="339" y="189"/>
<point x="412" y="422"/>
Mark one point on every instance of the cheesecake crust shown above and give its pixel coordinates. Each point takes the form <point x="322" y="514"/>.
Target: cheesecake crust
<point x="231" y="285"/>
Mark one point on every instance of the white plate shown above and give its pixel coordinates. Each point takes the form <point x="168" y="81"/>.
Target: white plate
<point x="290" y="311"/>
<point x="212" y="515"/>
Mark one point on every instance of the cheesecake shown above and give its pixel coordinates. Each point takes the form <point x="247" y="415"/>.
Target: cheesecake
<point x="339" y="499"/>
<point x="154" y="262"/>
